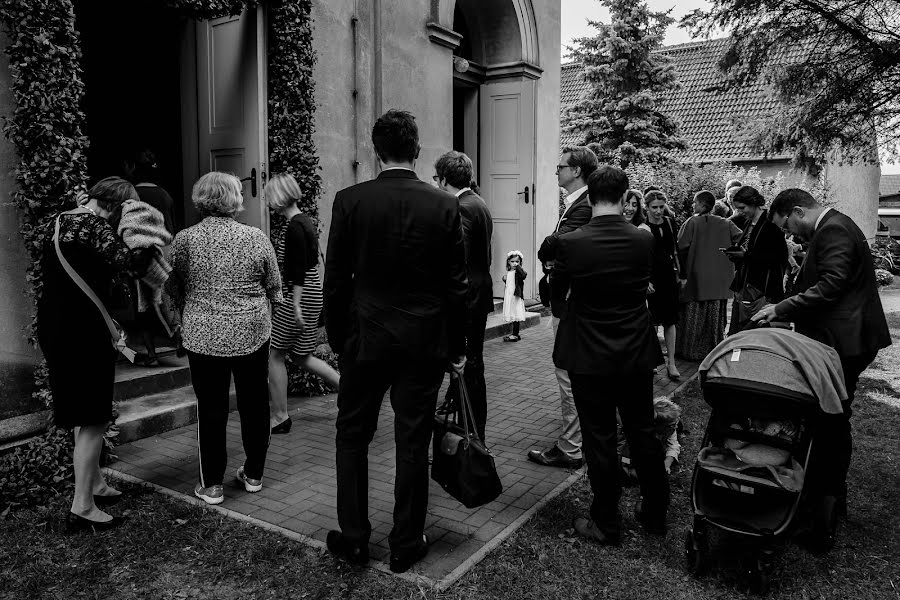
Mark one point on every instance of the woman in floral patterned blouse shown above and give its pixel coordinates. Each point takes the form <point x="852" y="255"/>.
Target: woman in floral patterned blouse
<point x="225" y="275"/>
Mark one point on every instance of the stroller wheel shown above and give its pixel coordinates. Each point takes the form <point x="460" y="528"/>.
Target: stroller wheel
<point x="695" y="554"/>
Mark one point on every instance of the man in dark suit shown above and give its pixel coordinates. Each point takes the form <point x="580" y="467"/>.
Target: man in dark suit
<point x="454" y="173"/>
<point x="607" y="344"/>
<point x="395" y="293"/>
<point x="835" y="301"/>
<point x="572" y="172"/>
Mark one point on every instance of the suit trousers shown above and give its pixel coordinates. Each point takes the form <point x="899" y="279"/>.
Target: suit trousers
<point x="597" y="397"/>
<point x="211" y="378"/>
<point x="569" y="440"/>
<point x="833" y="446"/>
<point x="414" y="385"/>
<point x="476" y="321"/>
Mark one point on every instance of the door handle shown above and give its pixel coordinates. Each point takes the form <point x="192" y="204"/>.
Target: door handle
<point x="526" y="193"/>
<point x="252" y="180"/>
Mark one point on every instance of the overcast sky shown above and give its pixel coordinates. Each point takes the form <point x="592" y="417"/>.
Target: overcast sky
<point x="575" y="14"/>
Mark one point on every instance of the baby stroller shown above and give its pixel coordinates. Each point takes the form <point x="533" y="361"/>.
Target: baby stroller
<point x="766" y="387"/>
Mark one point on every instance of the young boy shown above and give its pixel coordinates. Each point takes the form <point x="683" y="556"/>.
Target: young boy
<point x="666" y="415"/>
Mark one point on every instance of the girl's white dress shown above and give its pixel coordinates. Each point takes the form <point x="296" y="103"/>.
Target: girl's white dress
<point x="513" y="306"/>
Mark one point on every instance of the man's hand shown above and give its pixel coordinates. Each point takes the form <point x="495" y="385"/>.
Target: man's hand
<point x="650" y="288"/>
<point x="548" y="264"/>
<point x="457" y="366"/>
<point x="682" y="282"/>
<point x="766" y="314"/>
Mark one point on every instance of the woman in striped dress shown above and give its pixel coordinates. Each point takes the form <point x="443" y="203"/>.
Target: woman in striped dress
<point x="295" y="322"/>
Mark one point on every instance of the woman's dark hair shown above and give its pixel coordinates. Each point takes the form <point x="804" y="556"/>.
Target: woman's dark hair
<point x="748" y="195"/>
<point x="638" y="217"/>
<point x="396" y="137"/>
<point x="651" y="188"/>
<point x="706" y="199"/>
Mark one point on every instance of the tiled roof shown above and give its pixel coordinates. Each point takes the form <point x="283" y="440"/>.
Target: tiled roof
<point x="707" y="117"/>
<point x="889" y="185"/>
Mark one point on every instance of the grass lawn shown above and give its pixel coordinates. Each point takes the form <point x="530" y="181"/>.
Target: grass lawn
<point x="169" y="549"/>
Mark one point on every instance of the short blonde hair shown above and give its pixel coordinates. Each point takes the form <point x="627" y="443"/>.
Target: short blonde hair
<point x="282" y="191"/>
<point x="666" y="411"/>
<point x="218" y="194"/>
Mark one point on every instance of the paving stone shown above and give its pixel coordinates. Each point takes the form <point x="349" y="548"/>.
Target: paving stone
<point x="523" y="413"/>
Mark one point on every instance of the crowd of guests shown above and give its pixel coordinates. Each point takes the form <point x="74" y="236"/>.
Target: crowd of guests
<point x="406" y="294"/>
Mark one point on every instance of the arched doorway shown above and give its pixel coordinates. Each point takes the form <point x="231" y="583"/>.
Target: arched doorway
<point x="495" y="61"/>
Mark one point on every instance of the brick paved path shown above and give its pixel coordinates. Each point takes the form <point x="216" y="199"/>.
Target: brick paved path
<point x="299" y="493"/>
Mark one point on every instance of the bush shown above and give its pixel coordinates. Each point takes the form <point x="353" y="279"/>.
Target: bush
<point x="883" y="278"/>
<point x="37" y="470"/>
<point x="886" y="254"/>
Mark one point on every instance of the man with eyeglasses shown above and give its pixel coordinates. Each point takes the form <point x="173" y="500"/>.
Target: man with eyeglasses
<point x="575" y="166"/>
<point x="836" y="302"/>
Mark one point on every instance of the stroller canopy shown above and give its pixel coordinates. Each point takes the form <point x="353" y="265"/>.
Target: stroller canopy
<point x="778" y="358"/>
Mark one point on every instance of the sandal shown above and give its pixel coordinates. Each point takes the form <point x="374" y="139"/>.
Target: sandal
<point x="511" y="338"/>
<point x="676" y="376"/>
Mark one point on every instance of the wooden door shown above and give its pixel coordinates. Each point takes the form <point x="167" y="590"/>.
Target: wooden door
<point x="231" y="98"/>
<point x="507" y="174"/>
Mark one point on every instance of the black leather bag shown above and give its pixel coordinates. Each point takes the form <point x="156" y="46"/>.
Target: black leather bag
<point x="461" y="463"/>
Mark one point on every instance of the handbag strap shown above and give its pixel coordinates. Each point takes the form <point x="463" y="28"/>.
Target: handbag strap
<point x="114" y="332"/>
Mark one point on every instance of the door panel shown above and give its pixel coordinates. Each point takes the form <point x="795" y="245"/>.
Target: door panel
<point x="231" y="115"/>
<point x="507" y="169"/>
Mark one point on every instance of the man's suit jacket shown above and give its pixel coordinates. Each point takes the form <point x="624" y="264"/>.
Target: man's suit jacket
<point x="577" y="214"/>
<point x="478" y="226"/>
<point x="836" y="298"/>
<point x="395" y="275"/>
<point x="599" y="292"/>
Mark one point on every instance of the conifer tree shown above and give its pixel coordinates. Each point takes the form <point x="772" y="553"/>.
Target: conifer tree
<point x="619" y="116"/>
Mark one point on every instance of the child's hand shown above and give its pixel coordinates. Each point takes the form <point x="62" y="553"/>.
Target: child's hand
<point x="504" y="278"/>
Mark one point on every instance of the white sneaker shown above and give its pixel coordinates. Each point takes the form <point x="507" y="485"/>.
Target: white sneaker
<point x="214" y="494"/>
<point x="251" y="485"/>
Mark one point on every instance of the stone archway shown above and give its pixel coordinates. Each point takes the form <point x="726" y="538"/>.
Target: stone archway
<point x="496" y="65"/>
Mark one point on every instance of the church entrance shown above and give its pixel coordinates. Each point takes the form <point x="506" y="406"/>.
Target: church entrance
<point x="191" y="91"/>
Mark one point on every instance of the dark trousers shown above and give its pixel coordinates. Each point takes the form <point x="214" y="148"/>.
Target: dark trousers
<point x="414" y="388"/>
<point x="211" y="377"/>
<point x="833" y="445"/>
<point x="474" y="372"/>
<point x="596" y="398"/>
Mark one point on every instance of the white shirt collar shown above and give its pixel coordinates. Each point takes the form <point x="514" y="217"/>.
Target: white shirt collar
<point x="397" y="168"/>
<point x="575" y="195"/>
<point x="821" y="216"/>
<point x="463" y="191"/>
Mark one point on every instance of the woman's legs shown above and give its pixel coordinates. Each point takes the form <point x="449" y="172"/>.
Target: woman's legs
<point x="278" y="387"/>
<point x="515" y="328"/>
<point x="669" y="332"/>
<point x="319" y="367"/>
<point x="86" y="464"/>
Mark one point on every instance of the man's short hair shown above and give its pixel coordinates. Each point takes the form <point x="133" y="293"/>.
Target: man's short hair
<point x="583" y="158"/>
<point x="396" y="137"/>
<point x="607" y="185"/>
<point x="787" y="199"/>
<point x="456" y="168"/>
<point x="733" y="183"/>
<point x="706" y="199"/>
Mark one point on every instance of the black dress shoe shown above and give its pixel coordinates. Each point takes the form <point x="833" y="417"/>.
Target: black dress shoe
<point x="402" y="561"/>
<point x="651" y="526"/>
<point x="554" y="457"/>
<point x="355" y="554"/>
<point x="587" y="528"/>
<point x="283" y="427"/>
<point x="75" y="523"/>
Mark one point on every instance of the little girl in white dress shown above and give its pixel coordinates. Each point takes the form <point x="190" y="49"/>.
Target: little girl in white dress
<point x="513" y="302"/>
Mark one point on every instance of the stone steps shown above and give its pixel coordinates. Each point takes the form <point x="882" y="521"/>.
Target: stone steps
<point x="154" y="400"/>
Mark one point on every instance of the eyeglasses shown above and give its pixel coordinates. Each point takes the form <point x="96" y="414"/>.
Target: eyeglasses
<point x="558" y="167"/>
<point x="436" y="178"/>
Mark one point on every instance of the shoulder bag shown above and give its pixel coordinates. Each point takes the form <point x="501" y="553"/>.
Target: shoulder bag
<point x="461" y="463"/>
<point x="116" y="333"/>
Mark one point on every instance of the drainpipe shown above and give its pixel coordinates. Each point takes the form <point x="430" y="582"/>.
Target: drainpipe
<point x="354" y="25"/>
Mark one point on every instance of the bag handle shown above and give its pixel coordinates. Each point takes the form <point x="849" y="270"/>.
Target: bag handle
<point x="468" y="414"/>
<point x="118" y="340"/>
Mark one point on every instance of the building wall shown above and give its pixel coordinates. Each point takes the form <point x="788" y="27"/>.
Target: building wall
<point x="17" y="357"/>
<point x="854" y="189"/>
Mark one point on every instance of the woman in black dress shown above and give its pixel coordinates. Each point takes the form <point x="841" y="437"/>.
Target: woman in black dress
<point x="76" y="342"/>
<point x="664" y="279"/>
